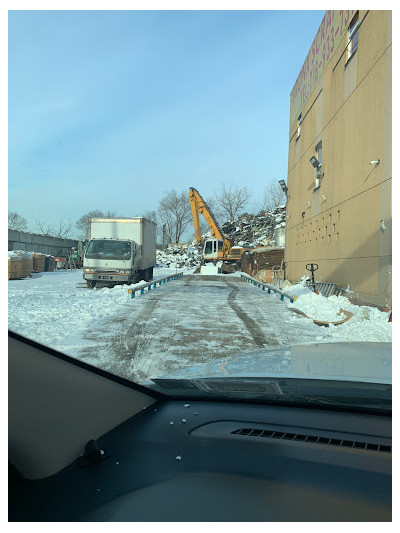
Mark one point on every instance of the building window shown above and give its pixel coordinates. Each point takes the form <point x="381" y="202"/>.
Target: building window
<point x="353" y="37"/>
<point x="318" y="172"/>
<point x="299" y="121"/>
<point x="318" y="152"/>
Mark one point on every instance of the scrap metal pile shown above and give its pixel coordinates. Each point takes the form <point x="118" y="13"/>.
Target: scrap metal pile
<point x="247" y="230"/>
<point x="256" y="230"/>
<point x="179" y="256"/>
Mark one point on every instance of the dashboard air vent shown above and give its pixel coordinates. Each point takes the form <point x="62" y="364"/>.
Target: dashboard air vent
<point x="251" y="432"/>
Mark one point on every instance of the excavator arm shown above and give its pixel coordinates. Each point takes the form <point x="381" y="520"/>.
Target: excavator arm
<point x="195" y="213"/>
<point x="199" y="206"/>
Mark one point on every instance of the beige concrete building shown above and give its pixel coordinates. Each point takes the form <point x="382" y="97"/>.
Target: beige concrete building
<point x="339" y="203"/>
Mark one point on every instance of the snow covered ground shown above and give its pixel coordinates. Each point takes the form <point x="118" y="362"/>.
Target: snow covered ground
<point x="368" y="324"/>
<point x="51" y="309"/>
<point x="196" y="319"/>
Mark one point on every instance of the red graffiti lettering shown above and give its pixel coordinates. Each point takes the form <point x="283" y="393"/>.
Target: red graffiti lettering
<point x="322" y="27"/>
<point x="328" y="20"/>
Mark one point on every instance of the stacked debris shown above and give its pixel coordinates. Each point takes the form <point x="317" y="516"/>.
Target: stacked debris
<point x="179" y="256"/>
<point x="257" y="230"/>
<point x="264" y="264"/>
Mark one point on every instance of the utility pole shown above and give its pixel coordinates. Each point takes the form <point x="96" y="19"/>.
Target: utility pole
<point x="164" y="237"/>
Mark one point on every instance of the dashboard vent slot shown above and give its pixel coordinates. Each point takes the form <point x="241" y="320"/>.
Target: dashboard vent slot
<point x="270" y="434"/>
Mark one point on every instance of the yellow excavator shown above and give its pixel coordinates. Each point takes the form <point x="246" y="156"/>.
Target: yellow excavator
<point x="218" y="248"/>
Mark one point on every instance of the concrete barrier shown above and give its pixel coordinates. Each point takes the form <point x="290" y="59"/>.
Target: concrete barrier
<point x="44" y="244"/>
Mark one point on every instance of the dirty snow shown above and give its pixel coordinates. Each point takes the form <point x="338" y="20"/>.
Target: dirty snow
<point x="368" y="324"/>
<point x="185" y="322"/>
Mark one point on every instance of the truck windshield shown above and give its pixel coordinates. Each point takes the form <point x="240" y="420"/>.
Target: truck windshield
<point x="108" y="249"/>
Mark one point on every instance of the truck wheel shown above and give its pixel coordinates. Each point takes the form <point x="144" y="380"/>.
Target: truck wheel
<point x="91" y="284"/>
<point x="150" y="273"/>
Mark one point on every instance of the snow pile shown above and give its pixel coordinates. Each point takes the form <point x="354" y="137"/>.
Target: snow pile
<point x="210" y="268"/>
<point x="298" y="289"/>
<point x="14" y="256"/>
<point x="368" y="324"/>
<point x="182" y="256"/>
<point x="318" y="307"/>
<point x="256" y="230"/>
<point x="19" y="254"/>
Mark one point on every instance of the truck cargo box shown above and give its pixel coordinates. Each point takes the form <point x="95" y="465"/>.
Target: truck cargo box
<point x="138" y="229"/>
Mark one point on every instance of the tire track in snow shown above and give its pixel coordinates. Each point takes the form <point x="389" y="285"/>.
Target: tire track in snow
<point x="252" y="326"/>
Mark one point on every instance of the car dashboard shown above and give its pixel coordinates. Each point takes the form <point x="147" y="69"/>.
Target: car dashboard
<point x="180" y="460"/>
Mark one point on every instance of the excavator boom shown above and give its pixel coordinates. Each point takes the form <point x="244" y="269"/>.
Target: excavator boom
<point x="195" y="213"/>
<point x="199" y="206"/>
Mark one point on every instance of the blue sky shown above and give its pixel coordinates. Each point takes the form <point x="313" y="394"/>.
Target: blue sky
<point x="109" y="109"/>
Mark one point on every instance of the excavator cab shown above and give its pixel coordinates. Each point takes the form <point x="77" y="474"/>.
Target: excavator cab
<point x="213" y="249"/>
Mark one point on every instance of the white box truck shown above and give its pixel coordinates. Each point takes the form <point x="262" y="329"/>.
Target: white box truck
<point x="120" y="250"/>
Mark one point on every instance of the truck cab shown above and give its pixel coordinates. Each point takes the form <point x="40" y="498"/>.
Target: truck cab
<point x="110" y="260"/>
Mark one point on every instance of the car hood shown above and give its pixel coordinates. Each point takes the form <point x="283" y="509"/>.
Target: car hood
<point x="365" y="362"/>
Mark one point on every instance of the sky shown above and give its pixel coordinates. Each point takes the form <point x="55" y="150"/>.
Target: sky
<point x="110" y="109"/>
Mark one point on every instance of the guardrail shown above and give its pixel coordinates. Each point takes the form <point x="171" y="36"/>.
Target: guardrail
<point x="266" y="286"/>
<point x="153" y="283"/>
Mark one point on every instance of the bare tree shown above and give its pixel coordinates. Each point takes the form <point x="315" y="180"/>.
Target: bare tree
<point x="16" y="221"/>
<point x="151" y="215"/>
<point x="273" y="197"/>
<point x="83" y="223"/>
<point x="62" y="229"/>
<point x="231" y="200"/>
<point x="174" y="211"/>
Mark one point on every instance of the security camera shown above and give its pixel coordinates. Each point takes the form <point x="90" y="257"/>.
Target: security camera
<point x="376" y="162"/>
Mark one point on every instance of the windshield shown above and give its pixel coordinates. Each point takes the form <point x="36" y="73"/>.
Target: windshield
<point x="108" y="250"/>
<point x="240" y="186"/>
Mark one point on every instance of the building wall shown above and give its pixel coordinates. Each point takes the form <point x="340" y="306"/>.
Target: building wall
<point x="44" y="244"/>
<point x="344" y="225"/>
